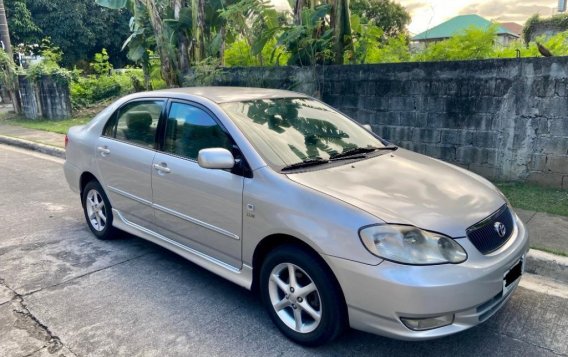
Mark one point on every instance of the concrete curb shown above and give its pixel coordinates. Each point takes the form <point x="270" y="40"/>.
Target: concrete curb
<point x="537" y="262"/>
<point x="546" y="264"/>
<point x="31" y="145"/>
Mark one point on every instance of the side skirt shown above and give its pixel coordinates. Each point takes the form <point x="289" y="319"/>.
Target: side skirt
<point x="241" y="276"/>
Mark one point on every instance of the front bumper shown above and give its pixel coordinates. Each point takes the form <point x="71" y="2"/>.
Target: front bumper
<point x="378" y="296"/>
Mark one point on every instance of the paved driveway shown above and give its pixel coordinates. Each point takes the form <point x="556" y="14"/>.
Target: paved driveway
<point x="64" y="292"/>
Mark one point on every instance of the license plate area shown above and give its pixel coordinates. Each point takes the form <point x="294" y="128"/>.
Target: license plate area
<point x="513" y="275"/>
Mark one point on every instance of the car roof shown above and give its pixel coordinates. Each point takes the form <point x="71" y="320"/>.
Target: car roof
<point x="228" y="94"/>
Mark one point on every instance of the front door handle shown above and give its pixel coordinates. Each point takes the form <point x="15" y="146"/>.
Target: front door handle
<point x="103" y="150"/>
<point x="162" y="167"/>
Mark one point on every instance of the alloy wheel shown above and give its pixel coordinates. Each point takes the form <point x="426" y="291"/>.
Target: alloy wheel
<point x="96" y="210"/>
<point x="295" y="297"/>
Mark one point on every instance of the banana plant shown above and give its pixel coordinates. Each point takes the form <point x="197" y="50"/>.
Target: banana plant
<point x="310" y="43"/>
<point x="254" y="20"/>
<point x="151" y="12"/>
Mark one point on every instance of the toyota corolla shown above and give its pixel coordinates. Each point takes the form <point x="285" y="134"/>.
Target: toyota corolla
<point x="280" y="193"/>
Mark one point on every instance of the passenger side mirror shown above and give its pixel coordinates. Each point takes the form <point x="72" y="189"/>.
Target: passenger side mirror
<point x="215" y="158"/>
<point x="368" y="127"/>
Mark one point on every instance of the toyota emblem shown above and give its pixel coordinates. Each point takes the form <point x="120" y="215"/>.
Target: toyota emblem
<point x="500" y="229"/>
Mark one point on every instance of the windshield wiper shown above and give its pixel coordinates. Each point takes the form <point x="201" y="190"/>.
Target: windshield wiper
<point x="355" y="152"/>
<point x="306" y="163"/>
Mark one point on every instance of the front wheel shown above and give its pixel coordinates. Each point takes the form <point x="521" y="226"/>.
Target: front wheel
<point x="98" y="211"/>
<point x="301" y="296"/>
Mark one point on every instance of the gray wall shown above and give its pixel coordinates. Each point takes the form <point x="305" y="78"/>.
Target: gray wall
<point x="45" y="98"/>
<point x="546" y="29"/>
<point x="504" y="119"/>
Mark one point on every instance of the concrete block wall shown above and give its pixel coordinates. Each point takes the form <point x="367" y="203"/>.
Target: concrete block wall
<point x="505" y="119"/>
<point x="46" y="98"/>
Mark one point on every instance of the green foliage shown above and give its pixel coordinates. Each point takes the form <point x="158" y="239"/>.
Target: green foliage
<point x="7" y="70"/>
<point x="393" y="51"/>
<point x="52" y="56"/>
<point x="473" y="44"/>
<point x="390" y="17"/>
<point x="101" y="65"/>
<point x="366" y="38"/>
<point x="49" y="65"/>
<point x="80" y="27"/>
<point x="23" y="29"/>
<point x="557" y="44"/>
<point x="205" y="73"/>
<point x="560" y="22"/>
<point x="311" y="42"/>
<point x="92" y="89"/>
<point x="255" y="21"/>
<point x="239" y="54"/>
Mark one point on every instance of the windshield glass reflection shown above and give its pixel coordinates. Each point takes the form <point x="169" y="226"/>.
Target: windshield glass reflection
<point x="291" y="130"/>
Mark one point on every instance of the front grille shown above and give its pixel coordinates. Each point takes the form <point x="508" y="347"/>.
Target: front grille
<point x="484" y="235"/>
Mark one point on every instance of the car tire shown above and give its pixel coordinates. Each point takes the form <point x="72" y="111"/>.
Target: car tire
<point x="306" y="316"/>
<point x="98" y="211"/>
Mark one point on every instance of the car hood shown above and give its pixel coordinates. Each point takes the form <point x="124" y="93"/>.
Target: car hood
<point x="408" y="188"/>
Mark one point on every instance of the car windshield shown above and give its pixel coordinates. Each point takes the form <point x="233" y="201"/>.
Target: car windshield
<point x="288" y="131"/>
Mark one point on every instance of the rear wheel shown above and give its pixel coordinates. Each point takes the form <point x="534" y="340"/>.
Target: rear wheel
<point x="98" y="211"/>
<point x="301" y="297"/>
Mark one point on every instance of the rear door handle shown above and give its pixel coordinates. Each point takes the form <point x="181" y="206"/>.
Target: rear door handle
<point x="162" y="167"/>
<point x="103" y="150"/>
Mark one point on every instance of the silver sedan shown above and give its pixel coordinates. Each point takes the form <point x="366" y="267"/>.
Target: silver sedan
<point x="278" y="192"/>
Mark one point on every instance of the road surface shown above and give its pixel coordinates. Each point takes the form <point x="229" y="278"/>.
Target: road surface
<point x="63" y="292"/>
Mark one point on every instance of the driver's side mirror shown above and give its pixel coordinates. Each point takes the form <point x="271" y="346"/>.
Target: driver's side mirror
<point x="368" y="127"/>
<point x="215" y="158"/>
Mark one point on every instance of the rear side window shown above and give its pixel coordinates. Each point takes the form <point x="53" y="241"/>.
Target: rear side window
<point x="136" y="123"/>
<point x="190" y="129"/>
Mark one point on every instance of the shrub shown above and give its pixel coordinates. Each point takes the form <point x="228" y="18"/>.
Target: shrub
<point x="473" y="44"/>
<point x="101" y="64"/>
<point x="239" y="54"/>
<point x="49" y="66"/>
<point x="92" y="89"/>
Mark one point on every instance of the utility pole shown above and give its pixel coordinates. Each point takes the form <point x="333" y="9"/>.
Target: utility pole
<point x="4" y="32"/>
<point x="14" y="88"/>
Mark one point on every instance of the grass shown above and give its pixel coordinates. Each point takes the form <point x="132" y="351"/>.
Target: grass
<point x="550" y="250"/>
<point x="55" y="126"/>
<point x="80" y="117"/>
<point x="536" y="198"/>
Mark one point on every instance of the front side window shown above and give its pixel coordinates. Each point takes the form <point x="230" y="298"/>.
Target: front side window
<point x="136" y="122"/>
<point x="190" y="129"/>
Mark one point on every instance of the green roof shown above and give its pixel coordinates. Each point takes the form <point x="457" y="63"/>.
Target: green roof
<point x="457" y="25"/>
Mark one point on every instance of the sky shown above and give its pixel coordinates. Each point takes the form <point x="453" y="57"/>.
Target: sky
<point x="429" y="13"/>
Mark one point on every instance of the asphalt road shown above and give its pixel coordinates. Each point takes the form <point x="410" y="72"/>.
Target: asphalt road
<point x="63" y="292"/>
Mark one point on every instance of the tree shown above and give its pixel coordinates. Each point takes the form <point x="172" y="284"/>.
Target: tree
<point x="254" y="20"/>
<point x="391" y="17"/>
<point x="198" y="29"/>
<point x="78" y="27"/>
<point x="341" y="24"/>
<point x="23" y="29"/>
<point x="309" y="43"/>
<point x="337" y="19"/>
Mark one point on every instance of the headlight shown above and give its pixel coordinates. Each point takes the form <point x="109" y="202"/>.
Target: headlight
<point x="410" y="245"/>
